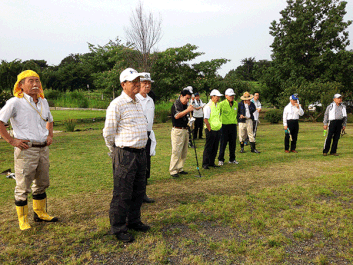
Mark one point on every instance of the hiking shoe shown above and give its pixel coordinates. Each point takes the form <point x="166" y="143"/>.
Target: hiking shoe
<point x="293" y="151"/>
<point x="125" y="237"/>
<point x="233" y="162"/>
<point x="286" y="151"/>
<point x="141" y="227"/>
<point x="220" y="163"/>
<point x="175" y="176"/>
<point x="183" y="172"/>
<point x="334" y="154"/>
<point x="325" y="154"/>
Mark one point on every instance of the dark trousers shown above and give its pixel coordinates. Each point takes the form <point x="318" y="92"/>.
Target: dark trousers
<point x="255" y="123"/>
<point x="198" y="128"/>
<point x="211" y="147"/>
<point x="334" y="132"/>
<point x="148" y="157"/>
<point x="293" y="126"/>
<point x="129" y="173"/>
<point x="228" y="134"/>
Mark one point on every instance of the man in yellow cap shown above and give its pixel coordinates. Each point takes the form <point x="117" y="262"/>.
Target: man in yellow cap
<point x="32" y="125"/>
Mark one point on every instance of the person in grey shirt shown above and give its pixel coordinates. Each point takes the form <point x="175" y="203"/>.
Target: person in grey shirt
<point x="335" y="119"/>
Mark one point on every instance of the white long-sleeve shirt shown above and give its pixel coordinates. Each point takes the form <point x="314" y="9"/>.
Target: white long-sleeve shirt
<point x="291" y="112"/>
<point x="148" y="109"/>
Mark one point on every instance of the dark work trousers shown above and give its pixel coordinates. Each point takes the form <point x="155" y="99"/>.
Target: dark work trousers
<point x="198" y="128"/>
<point x="334" y="131"/>
<point x="211" y="147"/>
<point x="293" y="126"/>
<point x="228" y="134"/>
<point x="255" y="123"/>
<point x="148" y="157"/>
<point x="129" y="173"/>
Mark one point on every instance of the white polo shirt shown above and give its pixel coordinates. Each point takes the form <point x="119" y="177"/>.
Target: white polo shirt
<point x="148" y="109"/>
<point x="25" y="120"/>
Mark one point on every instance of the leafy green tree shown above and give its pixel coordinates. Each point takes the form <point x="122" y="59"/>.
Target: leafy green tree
<point x="171" y="71"/>
<point x="71" y="74"/>
<point x="307" y="39"/>
<point x="207" y="77"/>
<point x="105" y="63"/>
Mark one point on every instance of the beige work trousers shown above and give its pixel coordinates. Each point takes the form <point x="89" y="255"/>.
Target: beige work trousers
<point x="31" y="166"/>
<point x="246" y="129"/>
<point x="180" y="140"/>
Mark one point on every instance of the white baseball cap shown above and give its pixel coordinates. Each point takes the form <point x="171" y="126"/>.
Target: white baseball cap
<point x="146" y="77"/>
<point x="129" y="74"/>
<point x="337" y="96"/>
<point x="229" y="92"/>
<point x="215" y="92"/>
<point x="189" y="88"/>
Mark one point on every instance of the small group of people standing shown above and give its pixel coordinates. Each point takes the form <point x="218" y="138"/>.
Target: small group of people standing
<point x="335" y="120"/>
<point x="220" y="121"/>
<point x="131" y="142"/>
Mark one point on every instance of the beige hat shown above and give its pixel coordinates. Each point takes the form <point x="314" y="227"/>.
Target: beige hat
<point x="246" y="96"/>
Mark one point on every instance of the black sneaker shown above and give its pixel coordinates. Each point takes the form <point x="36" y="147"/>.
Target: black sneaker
<point x="125" y="237"/>
<point x="175" y="176"/>
<point x="141" y="227"/>
<point x="183" y="172"/>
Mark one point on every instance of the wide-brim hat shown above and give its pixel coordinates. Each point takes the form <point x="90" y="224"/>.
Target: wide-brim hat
<point x="246" y="96"/>
<point x="129" y="74"/>
<point x="17" y="91"/>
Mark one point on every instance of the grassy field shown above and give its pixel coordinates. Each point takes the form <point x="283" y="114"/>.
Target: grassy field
<point x="272" y="208"/>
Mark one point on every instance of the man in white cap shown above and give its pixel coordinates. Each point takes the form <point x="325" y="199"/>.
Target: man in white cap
<point x="246" y="111"/>
<point x="125" y="134"/>
<point x="213" y="125"/>
<point x="229" y="111"/>
<point x="148" y="110"/>
<point x="335" y="119"/>
<point x="291" y="115"/>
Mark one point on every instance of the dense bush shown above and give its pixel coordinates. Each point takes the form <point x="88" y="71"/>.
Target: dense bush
<point x="4" y="96"/>
<point x="350" y="118"/>
<point x="274" y="115"/>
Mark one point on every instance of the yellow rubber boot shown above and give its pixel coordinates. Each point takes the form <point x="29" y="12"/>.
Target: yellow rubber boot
<point x="22" y="213"/>
<point x="40" y="214"/>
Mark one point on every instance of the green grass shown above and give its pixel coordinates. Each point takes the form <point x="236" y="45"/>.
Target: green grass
<point x="272" y="208"/>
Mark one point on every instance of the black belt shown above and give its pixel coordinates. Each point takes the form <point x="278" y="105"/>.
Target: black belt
<point x="134" y="150"/>
<point x="39" y="145"/>
<point x="184" y="128"/>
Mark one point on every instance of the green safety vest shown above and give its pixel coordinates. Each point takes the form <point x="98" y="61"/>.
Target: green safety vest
<point x="228" y="113"/>
<point x="215" y="118"/>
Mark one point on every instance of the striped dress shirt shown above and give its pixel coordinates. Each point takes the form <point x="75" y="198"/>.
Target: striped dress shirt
<point x="125" y="124"/>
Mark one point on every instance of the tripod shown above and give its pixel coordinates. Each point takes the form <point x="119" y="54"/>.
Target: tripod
<point x="197" y="161"/>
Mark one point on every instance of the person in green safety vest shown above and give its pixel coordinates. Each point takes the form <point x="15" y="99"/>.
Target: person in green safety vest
<point x="213" y="125"/>
<point x="229" y="111"/>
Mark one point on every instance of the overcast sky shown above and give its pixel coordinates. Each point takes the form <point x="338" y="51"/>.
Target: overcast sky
<point x="52" y="29"/>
